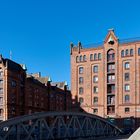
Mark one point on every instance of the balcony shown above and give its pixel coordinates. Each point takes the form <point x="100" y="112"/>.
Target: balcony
<point x="111" y="71"/>
<point x="112" y="92"/>
<point x="111" y="81"/>
<point x="110" y="112"/>
<point x="111" y="101"/>
<point x="110" y="60"/>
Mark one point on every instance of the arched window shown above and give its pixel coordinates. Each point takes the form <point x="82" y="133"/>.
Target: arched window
<point x="122" y="53"/>
<point x="84" y="58"/>
<point x="111" y="55"/>
<point x="95" y="56"/>
<point x="126" y="52"/>
<point x="81" y="58"/>
<point x="81" y="100"/>
<point x="91" y="57"/>
<point x="77" y="58"/>
<point x="81" y="90"/>
<point x="81" y="70"/>
<point x="127" y="98"/>
<point x="99" y="56"/>
<point x="95" y="100"/>
<point x="81" y="80"/>
<point x="95" y="69"/>
<point x="95" y="79"/>
<point x="131" y="52"/>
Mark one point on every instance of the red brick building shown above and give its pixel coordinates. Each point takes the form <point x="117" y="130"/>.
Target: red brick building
<point x="22" y="94"/>
<point x="59" y="97"/>
<point x="36" y="96"/>
<point x="105" y="79"/>
<point x="12" y="89"/>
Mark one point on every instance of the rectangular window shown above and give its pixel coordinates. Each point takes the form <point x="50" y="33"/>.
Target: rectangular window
<point x="95" y="111"/>
<point x="81" y="69"/>
<point x="81" y="90"/>
<point x="127" y="110"/>
<point x="81" y="80"/>
<point x="127" y="98"/>
<point x="131" y="52"/>
<point x="95" y="89"/>
<point x="126" y="76"/>
<point x="95" y="100"/>
<point x="95" y="79"/>
<point x="95" y="69"/>
<point x="127" y="87"/>
<point x="127" y="65"/>
<point x="111" y="78"/>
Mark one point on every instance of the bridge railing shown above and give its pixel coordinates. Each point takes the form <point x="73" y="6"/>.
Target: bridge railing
<point x="56" y="125"/>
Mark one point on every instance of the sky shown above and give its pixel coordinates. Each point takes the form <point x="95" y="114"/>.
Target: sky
<point x="39" y="32"/>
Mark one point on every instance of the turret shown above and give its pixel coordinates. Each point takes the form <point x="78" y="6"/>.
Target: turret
<point x="71" y="47"/>
<point x="79" y="46"/>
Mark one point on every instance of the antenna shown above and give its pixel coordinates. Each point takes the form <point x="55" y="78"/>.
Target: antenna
<point x="10" y="55"/>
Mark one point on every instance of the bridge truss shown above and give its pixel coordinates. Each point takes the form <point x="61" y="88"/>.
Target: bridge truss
<point x="56" y="125"/>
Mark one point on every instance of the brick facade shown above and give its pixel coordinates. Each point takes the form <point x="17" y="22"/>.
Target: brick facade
<point x="106" y="79"/>
<point x="12" y="89"/>
<point x="22" y="94"/>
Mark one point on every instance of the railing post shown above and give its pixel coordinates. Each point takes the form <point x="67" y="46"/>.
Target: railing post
<point x="18" y="131"/>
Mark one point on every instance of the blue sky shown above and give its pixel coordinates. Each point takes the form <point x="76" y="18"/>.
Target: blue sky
<point x="38" y="32"/>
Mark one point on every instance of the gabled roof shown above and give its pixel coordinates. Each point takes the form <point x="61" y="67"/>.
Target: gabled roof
<point x="59" y="84"/>
<point x="111" y="35"/>
<point x="43" y="80"/>
<point x="13" y="66"/>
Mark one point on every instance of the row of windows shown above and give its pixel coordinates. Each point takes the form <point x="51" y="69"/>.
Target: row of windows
<point x="97" y="56"/>
<point x="95" y="69"/>
<point x="126" y="110"/>
<point x="95" y="79"/>
<point x="128" y="52"/>
<point x="112" y="101"/>
<point x="81" y="90"/>
<point x="110" y="67"/>
<point x="92" y="57"/>
<point x="81" y="58"/>
<point x="95" y="89"/>
<point x="95" y="100"/>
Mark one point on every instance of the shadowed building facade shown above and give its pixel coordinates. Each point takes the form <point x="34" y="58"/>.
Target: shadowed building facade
<point x="12" y="89"/>
<point x="105" y="79"/>
<point x="22" y="94"/>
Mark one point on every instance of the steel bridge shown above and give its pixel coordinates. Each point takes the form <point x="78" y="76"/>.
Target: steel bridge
<point x="57" y="125"/>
